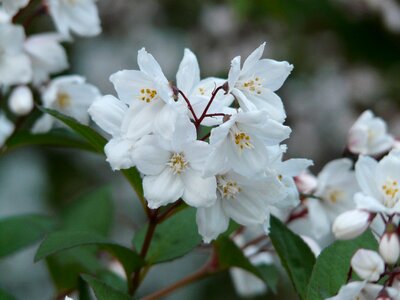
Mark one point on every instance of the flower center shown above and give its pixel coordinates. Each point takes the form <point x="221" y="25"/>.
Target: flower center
<point x="253" y="85"/>
<point x="335" y="195"/>
<point x="242" y="140"/>
<point x="63" y="100"/>
<point x="147" y="95"/>
<point x="202" y="91"/>
<point x="391" y="192"/>
<point x="228" y="188"/>
<point x="177" y="163"/>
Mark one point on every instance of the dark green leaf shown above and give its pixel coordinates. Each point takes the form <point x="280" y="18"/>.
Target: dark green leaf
<point x="295" y="255"/>
<point x="5" y="296"/>
<point x="91" y="213"/>
<point x="65" y="267"/>
<point x="98" y="142"/>
<point x="332" y="266"/>
<point x="270" y="275"/>
<point x="60" y="137"/>
<point x="173" y="238"/>
<point x="94" y="138"/>
<point x="104" y="291"/>
<point x="64" y="240"/>
<point x="230" y="255"/>
<point x="18" y="232"/>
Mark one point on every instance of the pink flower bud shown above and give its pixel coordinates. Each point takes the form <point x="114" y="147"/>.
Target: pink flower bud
<point x="389" y="247"/>
<point x="351" y="224"/>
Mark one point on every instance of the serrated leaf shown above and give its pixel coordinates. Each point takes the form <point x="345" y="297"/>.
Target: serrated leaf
<point x="296" y="257"/>
<point x="230" y="255"/>
<point x="173" y="238"/>
<point x="18" y="232"/>
<point x="92" y="212"/>
<point x="332" y="266"/>
<point x="59" y="137"/>
<point x="64" y="240"/>
<point x="104" y="291"/>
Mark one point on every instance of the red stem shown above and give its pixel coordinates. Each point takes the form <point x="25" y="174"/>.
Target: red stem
<point x="214" y="93"/>
<point x="196" y="120"/>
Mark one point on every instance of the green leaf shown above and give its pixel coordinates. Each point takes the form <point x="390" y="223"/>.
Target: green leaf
<point x="98" y="142"/>
<point x="18" y="232"/>
<point x="104" y="291"/>
<point x="65" y="267"/>
<point x="270" y="275"/>
<point x="63" y="240"/>
<point x="59" y="137"/>
<point x="230" y="255"/>
<point x="296" y="257"/>
<point x="173" y="238"/>
<point x="92" y="212"/>
<point x="93" y="137"/>
<point x="332" y="266"/>
<point x="5" y="296"/>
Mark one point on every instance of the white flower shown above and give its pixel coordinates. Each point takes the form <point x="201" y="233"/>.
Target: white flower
<point x="246" y="200"/>
<point x="255" y="83"/>
<point x="351" y="224"/>
<point x="368" y="264"/>
<point x="6" y="128"/>
<point x="240" y="143"/>
<point x="78" y="16"/>
<point x="285" y="171"/>
<point x="306" y="182"/>
<point x="336" y="186"/>
<point x="361" y="290"/>
<point x="108" y="113"/>
<point x="173" y="168"/>
<point x="15" y="67"/>
<point x="147" y="92"/>
<point x="47" y="56"/>
<point x="199" y="91"/>
<point x="369" y="136"/>
<point x="69" y="95"/>
<point x="389" y="247"/>
<point x="20" y="101"/>
<point x="68" y="298"/>
<point x="379" y="183"/>
<point x="11" y="7"/>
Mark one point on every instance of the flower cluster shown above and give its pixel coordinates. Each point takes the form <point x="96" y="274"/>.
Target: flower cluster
<point x="212" y="143"/>
<point x="27" y="62"/>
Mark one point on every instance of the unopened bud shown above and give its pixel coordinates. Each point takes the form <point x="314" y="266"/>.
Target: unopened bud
<point x="383" y="295"/>
<point x="225" y="87"/>
<point x="389" y="245"/>
<point x="351" y="224"/>
<point x="21" y="101"/>
<point x="368" y="264"/>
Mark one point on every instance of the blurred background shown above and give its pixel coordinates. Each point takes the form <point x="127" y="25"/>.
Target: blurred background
<point x="346" y="55"/>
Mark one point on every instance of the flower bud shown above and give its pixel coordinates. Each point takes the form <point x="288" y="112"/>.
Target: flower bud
<point x="368" y="264"/>
<point x="389" y="245"/>
<point x="351" y="224"/>
<point x="21" y="100"/>
<point x="383" y="295"/>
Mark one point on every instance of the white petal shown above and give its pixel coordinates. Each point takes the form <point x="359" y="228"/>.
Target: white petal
<point x="119" y="153"/>
<point x="252" y="60"/>
<point x="211" y="221"/>
<point x="108" y="112"/>
<point x="162" y="189"/>
<point x="320" y="224"/>
<point x="294" y="166"/>
<point x="149" y="157"/>
<point x="199" y="191"/>
<point x="197" y="153"/>
<point x="349" y="291"/>
<point x="188" y="75"/>
<point x="366" y="168"/>
<point x="234" y="72"/>
<point x="368" y="203"/>
<point x="43" y="124"/>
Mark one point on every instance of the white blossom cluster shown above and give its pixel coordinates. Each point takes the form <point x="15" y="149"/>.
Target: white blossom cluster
<point x="27" y="62"/>
<point x="214" y="143"/>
